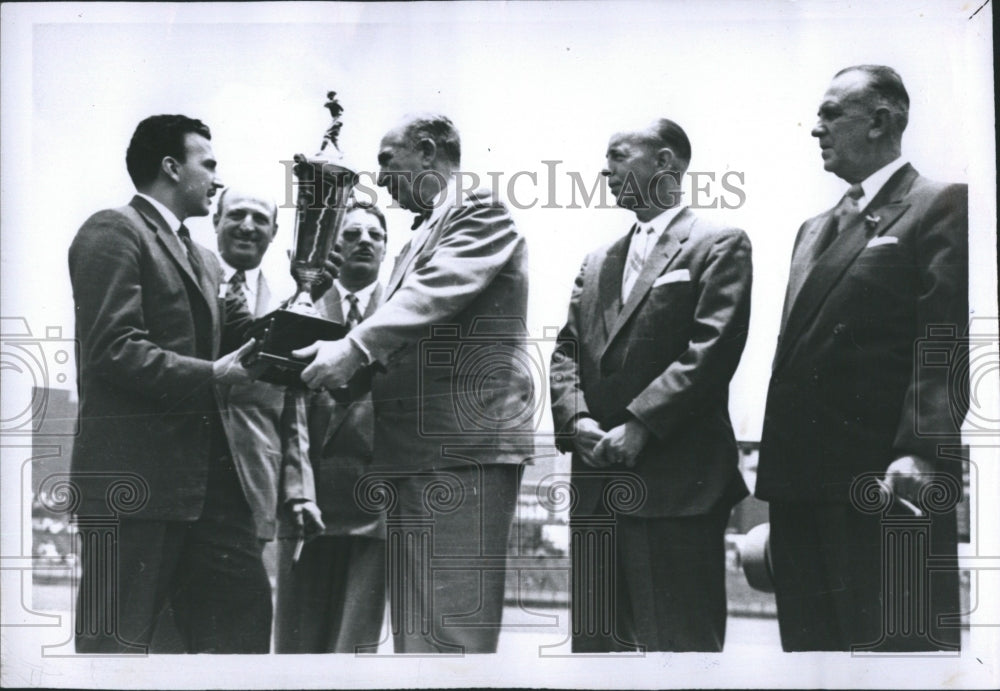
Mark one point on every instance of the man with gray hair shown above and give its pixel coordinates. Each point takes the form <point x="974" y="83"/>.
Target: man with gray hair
<point x="453" y="398"/>
<point x="852" y="410"/>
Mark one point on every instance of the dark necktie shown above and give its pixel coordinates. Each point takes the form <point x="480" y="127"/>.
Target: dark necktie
<point x="354" y="316"/>
<point x="843" y="215"/>
<point x="237" y="289"/>
<point x="194" y="259"/>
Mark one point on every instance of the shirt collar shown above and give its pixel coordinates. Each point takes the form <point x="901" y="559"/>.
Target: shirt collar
<point x="252" y="275"/>
<point x="444" y="199"/>
<point x="172" y="221"/>
<point x="364" y="295"/>
<point x="874" y="183"/>
<point x="659" y="223"/>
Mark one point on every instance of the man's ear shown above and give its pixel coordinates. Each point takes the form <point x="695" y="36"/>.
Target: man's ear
<point x="881" y="123"/>
<point x="170" y="167"/>
<point x="666" y="159"/>
<point x="428" y="150"/>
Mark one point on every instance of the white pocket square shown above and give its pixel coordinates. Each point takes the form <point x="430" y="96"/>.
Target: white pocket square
<point x="883" y="240"/>
<point x="673" y="277"/>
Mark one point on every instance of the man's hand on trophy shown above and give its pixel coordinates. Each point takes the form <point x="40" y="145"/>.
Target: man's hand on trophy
<point x="333" y="364"/>
<point x="229" y="370"/>
<point x="331" y="269"/>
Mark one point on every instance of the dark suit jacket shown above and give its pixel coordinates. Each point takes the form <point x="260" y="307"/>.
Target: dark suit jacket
<point x="340" y="445"/>
<point x="148" y="332"/>
<point x="266" y="430"/>
<point x="467" y="286"/>
<point x="847" y="395"/>
<point x="665" y="358"/>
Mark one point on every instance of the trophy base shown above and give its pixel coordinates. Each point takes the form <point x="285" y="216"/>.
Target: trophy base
<point x="277" y="335"/>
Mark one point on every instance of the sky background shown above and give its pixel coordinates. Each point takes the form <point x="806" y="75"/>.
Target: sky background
<point x="524" y="82"/>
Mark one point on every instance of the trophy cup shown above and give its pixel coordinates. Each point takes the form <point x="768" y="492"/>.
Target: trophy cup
<point x="324" y="187"/>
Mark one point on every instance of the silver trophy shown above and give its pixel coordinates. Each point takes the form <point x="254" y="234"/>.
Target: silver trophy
<point x="325" y="185"/>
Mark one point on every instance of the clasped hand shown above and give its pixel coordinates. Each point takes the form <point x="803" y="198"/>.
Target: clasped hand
<point x="618" y="446"/>
<point x="333" y="363"/>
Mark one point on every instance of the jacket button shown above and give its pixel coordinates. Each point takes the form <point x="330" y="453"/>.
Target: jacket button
<point x="839" y="329"/>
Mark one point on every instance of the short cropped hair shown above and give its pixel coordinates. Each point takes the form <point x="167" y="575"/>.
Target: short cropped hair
<point x="667" y="133"/>
<point x="155" y="138"/>
<point x="886" y="84"/>
<point x="439" y="129"/>
<point x="369" y="207"/>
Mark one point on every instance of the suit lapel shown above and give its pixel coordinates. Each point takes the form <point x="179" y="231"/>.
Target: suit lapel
<point x="172" y="246"/>
<point x="660" y="257"/>
<point x="338" y="411"/>
<point x="209" y="289"/>
<point x="263" y="296"/>
<point x="884" y="209"/>
<point x="374" y="301"/>
<point x="403" y="263"/>
<point x="330" y="305"/>
<point x="609" y="286"/>
<point x="417" y="243"/>
<point x="167" y="239"/>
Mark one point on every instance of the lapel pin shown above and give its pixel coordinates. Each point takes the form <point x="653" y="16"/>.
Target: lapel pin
<point x="871" y="221"/>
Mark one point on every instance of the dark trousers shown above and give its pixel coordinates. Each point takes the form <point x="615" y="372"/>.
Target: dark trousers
<point x="333" y="600"/>
<point x="447" y="558"/>
<point x="209" y="570"/>
<point x="847" y="580"/>
<point x="648" y="584"/>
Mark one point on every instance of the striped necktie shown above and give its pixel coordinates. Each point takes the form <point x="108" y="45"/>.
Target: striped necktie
<point x="354" y="316"/>
<point x="843" y="215"/>
<point x="238" y="289"/>
<point x="637" y="250"/>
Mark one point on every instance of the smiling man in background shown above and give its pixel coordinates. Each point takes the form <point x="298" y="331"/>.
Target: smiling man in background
<point x="265" y="424"/>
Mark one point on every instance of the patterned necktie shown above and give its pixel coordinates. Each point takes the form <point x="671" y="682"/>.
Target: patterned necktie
<point x="843" y="215"/>
<point x="194" y="259"/>
<point x="353" y="314"/>
<point x="238" y="289"/>
<point x="637" y="250"/>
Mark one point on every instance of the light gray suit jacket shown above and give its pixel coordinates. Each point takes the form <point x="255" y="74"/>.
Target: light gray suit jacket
<point x="267" y="432"/>
<point x="449" y="342"/>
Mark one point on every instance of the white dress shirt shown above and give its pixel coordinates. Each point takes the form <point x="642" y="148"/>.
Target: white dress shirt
<point x="658" y="226"/>
<point x="876" y="181"/>
<point x="364" y="297"/>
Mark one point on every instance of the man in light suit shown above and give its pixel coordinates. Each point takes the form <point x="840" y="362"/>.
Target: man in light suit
<point x="873" y="280"/>
<point x="657" y="323"/>
<point x="453" y="401"/>
<point x="155" y="479"/>
<point x="264" y="423"/>
<point x="332" y="599"/>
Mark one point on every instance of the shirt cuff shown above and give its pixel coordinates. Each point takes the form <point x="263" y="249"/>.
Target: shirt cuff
<point x="361" y="346"/>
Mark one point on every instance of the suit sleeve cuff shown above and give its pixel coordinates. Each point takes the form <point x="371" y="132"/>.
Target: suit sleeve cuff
<point x="356" y="342"/>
